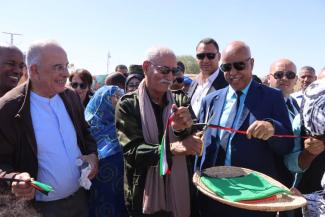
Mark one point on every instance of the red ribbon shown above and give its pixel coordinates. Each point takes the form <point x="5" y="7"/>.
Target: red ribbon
<point x="245" y="132"/>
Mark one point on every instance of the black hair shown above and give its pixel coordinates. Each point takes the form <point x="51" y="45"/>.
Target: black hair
<point x="181" y="66"/>
<point x="84" y="75"/>
<point x="115" y="78"/>
<point x="121" y="66"/>
<point x="208" y="41"/>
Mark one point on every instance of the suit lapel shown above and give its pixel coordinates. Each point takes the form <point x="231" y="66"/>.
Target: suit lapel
<point x="215" y="119"/>
<point x="218" y="83"/>
<point x="295" y="104"/>
<point x="252" y="95"/>
<point x="210" y="150"/>
<point x="192" y="90"/>
<point x="243" y="116"/>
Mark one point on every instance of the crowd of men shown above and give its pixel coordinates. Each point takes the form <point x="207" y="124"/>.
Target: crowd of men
<point x="43" y="130"/>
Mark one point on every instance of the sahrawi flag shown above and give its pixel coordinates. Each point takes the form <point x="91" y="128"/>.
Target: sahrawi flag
<point x="165" y="162"/>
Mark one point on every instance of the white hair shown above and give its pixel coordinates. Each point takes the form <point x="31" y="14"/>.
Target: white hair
<point x="157" y="52"/>
<point x="35" y="50"/>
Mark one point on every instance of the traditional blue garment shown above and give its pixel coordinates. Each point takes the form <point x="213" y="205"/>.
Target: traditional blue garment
<point x="100" y="114"/>
<point x="106" y="193"/>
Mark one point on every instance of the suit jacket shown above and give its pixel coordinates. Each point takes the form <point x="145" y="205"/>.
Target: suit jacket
<point x="18" y="147"/>
<point x="261" y="103"/>
<point x="217" y="84"/>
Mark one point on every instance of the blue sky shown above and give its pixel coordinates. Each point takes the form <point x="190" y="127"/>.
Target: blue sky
<point x="88" y="30"/>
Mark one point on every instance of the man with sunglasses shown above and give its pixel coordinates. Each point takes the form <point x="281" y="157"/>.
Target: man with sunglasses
<point x="209" y="78"/>
<point x="251" y="107"/>
<point x="11" y="67"/>
<point x="179" y="79"/>
<point x="141" y="118"/>
<point x="307" y="75"/>
<point x="283" y="76"/>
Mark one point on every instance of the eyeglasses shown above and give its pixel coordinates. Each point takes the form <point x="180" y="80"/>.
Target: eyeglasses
<point x="210" y="56"/>
<point x="239" y="66"/>
<point x="75" y="85"/>
<point x="165" y="69"/>
<point x="288" y="74"/>
<point x="60" y="67"/>
<point x="179" y="79"/>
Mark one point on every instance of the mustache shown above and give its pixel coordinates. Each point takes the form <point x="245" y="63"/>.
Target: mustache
<point x="164" y="81"/>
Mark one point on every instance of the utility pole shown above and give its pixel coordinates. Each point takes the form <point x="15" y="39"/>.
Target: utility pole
<point x="11" y="36"/>
<point x="108" y="57"/>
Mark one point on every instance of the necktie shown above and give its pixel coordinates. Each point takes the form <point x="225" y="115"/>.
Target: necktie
<point x="226" y="136"/>
<point x="290" y="109"/>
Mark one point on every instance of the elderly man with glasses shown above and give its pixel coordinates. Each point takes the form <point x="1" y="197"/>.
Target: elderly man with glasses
<point x="251" y="107"/>
<point x="43" y="132"/>
<point x="210" y="78"/>
<point x="141" y="119"/>
<point x="283" y="76"/>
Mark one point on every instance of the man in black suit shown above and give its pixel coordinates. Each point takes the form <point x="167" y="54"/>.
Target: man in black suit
<point x="210" y="78"/>
<point x="248" y="106"/>
<point x="283" y="76"/>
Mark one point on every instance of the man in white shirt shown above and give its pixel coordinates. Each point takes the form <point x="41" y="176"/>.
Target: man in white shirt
<point x="43" y="132"/>
<point x="283" y="76"/>
<point x="307" y="75"/>
<point x="210" y="77"/>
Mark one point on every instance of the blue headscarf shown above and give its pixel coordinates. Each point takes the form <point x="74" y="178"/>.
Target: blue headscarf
<point x="187" y="80"/>
<point x="100" y="115"/>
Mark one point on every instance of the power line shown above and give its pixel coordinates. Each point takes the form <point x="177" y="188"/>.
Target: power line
<point x="11" y="36"/>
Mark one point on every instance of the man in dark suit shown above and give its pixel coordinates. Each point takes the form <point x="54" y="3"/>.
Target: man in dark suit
<point x="249" y="106"/>
<point x="283" y="76"/>
<point x="209" y="78"/>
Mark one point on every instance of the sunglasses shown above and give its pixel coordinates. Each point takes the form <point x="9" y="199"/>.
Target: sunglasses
<point x="280" y="74"/>
<point x="210" y="56"/>
<point x="179" y="80"/>
<point x="165" y="69"/>
<point x="75" y="85"/>
<point x="226" y="67"/>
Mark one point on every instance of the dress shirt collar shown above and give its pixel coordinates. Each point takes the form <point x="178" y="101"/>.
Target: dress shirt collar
<point x="210" y="79"/>
<point x="231" y="91"/>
